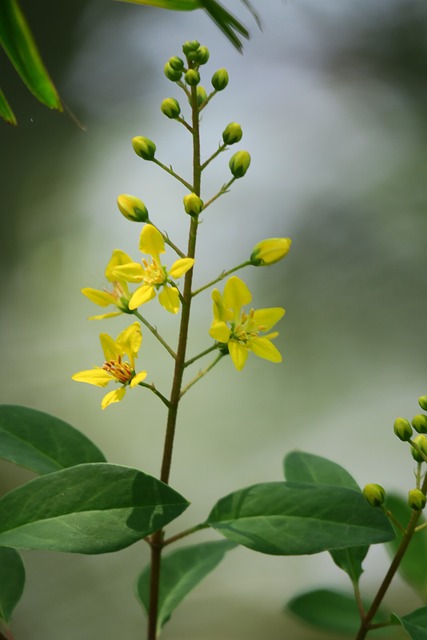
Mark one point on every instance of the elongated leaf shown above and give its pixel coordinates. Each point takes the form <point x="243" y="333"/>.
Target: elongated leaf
<point x="91" y="508"/>
<point x="331" y="610"/>
<point x="413" y="567"/>
<point x="41" y="442"/>
<point x="12" y="580"/>
<point x="18" y="43"/>
<point x="5" y="110"/>
<point x="181" y="572"/>
<point x="415" y="623"/>
<point x="306" y="467"/>
<point x="286" y="518"/>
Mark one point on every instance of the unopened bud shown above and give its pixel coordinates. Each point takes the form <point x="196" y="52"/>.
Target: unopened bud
<point x="423" y="402"/>
<point x="239" y="163"/>
<point x="270" y="251"/>
<point x="402" y="428"/>
<point x="421" y="442"/>
<point x="419" y="422"/>
<point x="232" y="133"/>
<point x="220" y="79"/>
<point x="192" y="77"/>
<point x="170" y="108"/>
<point x="202" y="96"/>
<point x="189" y="48"/>
<point x="172" y="74"/>
<point x="374" y="494"/>
<point x="416" y="499"/>
<point x="132" y="208"/>
<point x="202" y="55"/>
<point x="143" y="147"/>
<point x="176" y="63"/>
<point x="192" y="204"/>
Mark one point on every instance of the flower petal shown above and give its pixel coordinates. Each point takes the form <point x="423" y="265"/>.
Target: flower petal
<point x="112" y="314"/>
<point x="236" y="295"/>
<point x="263" y="348"/>
<point x="98" y="377"/>
<point x="109" y="347"/>
<point x="131" y="272"/>
<point x="151" y="242"/>
<point x="101" y="298"/>
<point x="264" y="319"/>
<point x="219" y="331"/>
<point x="169" y="299"/>
<point x="142" y="295"/>
<point x="129" y="341"/>
<point x="117" y="259"/>
<point x="180" y="267"/>
<point x="113" y="396"/>
<point x="139" y="377"/>
<point x="238" y="353"/>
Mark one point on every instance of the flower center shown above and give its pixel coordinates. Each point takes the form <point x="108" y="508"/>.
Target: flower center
<point x="154" y="274"/>
<point x="247" y="329"/>
<point x="122" y="372"/>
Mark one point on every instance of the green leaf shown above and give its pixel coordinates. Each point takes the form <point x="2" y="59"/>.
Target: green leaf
<point x="19" y="45"/>
<point x="41" y="442"/>
<point x="331" y="611"/>
<point x="181" y="572"/>
<point x="413" y="565"/>
<point x="287" y="518"/>
<point x="5" y="110"/>
<point x="415" y="623"/>
<point x="12" y="580"/>
<point x="306" y="467"/>
<point x="91" y="508"/>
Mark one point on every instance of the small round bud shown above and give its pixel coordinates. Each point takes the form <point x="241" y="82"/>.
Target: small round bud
<point x="232" y="133"/>
<point x="176" y="63"/>
<point x="202" y="55"/>
<point x="202" y="96"/>
<point x="143" y="147"/>
<point x="172" y="74"/>
<point x="416" y="499"/>
<point x="170" y="108"/>
<point x="374" y="494"/>
<point x="239" y="163"/>
<point x="421" y="442"/>
<point x="132" y="208"/>
<point x="192" y="204"/>
<point x="402" y="428"/>
<point x="419" y="422"/>
<point x="190" y="47"/>
<point x="220" y="79"/>
<point x="423" y="402"/>
<point x="192" y="77"/>
<point x="270" y="251"/>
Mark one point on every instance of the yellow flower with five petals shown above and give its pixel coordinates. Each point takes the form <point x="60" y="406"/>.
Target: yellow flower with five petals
<point x="242" y="332"/>
<point x="115" y="367"/>
<point x="153" y="276"/>
<point x="119" y="296"/>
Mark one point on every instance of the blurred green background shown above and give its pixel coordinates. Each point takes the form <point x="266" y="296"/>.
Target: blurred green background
<point x="332" y="100"/>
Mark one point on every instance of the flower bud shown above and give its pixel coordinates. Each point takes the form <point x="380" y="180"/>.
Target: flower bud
<point x="143" y="147"/>
<point x="220" y="79"/>
<point x="192" y="204"/>
<point x="270" y="251"/>
<point x="402" y="428"/>
<point x="172" y="74"/>
<point x="176" y="63"/>
<point x="192" y="77"/>
<point x="416" y="499"/>
<point x="239" y="163"/>
<point x="202" y="96"/>
<point x="202" y="55"/>
<point x="189" y="46"/>
<point x="132" y="208"/>
<point x="421" y="442"/>
<point x="419" y="422"/>
<point x="374" y="494"/>
<point x="232" y="133"/>
<point x="423" y="402"/>
<point x="170" y="108"/>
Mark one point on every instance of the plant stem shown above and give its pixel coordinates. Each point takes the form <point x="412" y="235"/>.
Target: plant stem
<point x="172" y="173"/>
<point x="185" y="533"/>
<point x="223" y="275"/>
<point x="157" y="539"/>
<point x="201" y="373"/>
<point x="155" y="333"/>
<point x="201" y="354"/>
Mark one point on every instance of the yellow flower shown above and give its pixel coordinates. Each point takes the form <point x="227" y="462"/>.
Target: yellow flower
<point x="153" y="275"/>
<point x="119" y="294"/>
<point x="115" y="367"/>
<point x="239" y="330"/>
<point x="270" y="251"/>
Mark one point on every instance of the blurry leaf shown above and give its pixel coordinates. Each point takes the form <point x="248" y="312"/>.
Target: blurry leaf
<point x="306" y="467"/>
<point x="182" y="570"/>
<point x="285" y="518"/>
<point x="5" y="111"/>
<point x="12" y="580"/>
<point x="222" y="18"/>
<point x="90" y="508"/>
<point x="413" y="567"/>
<point x="415" y="623"/>
<point x="18" y="43"/>
<point x="41" y="442"/>
<point x="330" y="610"/>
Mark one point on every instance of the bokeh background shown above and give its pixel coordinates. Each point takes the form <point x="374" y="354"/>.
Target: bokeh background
<point x="332" y="100"/>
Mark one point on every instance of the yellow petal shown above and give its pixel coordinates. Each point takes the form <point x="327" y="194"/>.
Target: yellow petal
<point x="138" y="378"/>
<point x="131" y="272"/>
<point x="98" y="377"/>
<point x="109" y="347"/>
<point x="103" y="316"/>
<point x="238" y="354"/>
<point x="236" y="295"/>
<point x="142" y="295"/>
<point x="101" y="298"/>
<point x="169" y="299"/>
<point x="267" y="318"/>
<point x="129" y="341"/>
<point x="151" y="242"/>
<point x="180" y="267"/>
<point x="113" y="396"/>
<point x="118" y="258"/>
<point x="219" y="331"/>
<point x="263" y="348"/>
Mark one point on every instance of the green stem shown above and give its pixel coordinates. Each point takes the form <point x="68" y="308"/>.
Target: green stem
<point x="213" y="156"/>
<point x="157" y="538"/>
<point x="224" y="189"/>
<point x="155" y="333"/>
<point x="208" y="99"/>
<point x="152" y="388"/>
<point x="171" y="172"/>
<point x="185" y="533"/>
<point x="169" y="242"/>
<point x="201" y="373"/>
<point x="201" y="354"/>
<point x="223" y="275"/>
